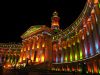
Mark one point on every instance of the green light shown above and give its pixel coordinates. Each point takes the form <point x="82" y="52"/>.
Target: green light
<point x="76" y="52"/>
<point x="80" y="54"/>
<point x="80" y="49"/>
<point x="80" y="69"/>
<point x="86" y="71"/>
<point x="71" y="56"/>
<point x="56" y="69"/>
<point x="99" y="71"/>
<point x="31" y="30"/>
<point x="92" y="71"/>
<point x="56" y="30"/>
<point x="99" y="5"/>
<point x="11" y="60"/>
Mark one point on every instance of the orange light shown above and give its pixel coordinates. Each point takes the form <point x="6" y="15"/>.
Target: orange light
<point x="83" y="37"/>
<point x="95" y="68"/>
<point x="32" y="57"/>
<point x="23" y="58"/>
<point x="4" y="66"/>
<point x="92" y="12"/>
<point x="9" y="65"/>
<point x="22" y="50"/>
<point x="89" y="69"/>
<point x="69" y="45"/>
<point x="33" y="47"/>
<point x="38" y="46"/>
<point x="43" y="45"/>
<point x="96" y="1"/>
<point x="28" y="47"/>
<point x="28" y="56"/>
<point x="68" y="69"/>
<point x="55" y="24"/>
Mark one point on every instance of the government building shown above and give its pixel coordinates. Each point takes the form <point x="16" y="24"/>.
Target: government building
<point x="74" y="49"/>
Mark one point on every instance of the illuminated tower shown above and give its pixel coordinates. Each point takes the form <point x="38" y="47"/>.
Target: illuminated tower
<point x="55" y="21"/>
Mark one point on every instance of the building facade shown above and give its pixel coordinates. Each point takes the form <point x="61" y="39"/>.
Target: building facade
<point x="9" y="54"/>
<point x="37" y="41"/>
<point x="67" y="50"/>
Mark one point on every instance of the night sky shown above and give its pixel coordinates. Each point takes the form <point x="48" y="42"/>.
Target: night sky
<point x="17" y="17"/>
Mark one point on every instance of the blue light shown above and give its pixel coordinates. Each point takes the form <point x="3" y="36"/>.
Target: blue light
<point x="97" y="47"/>
<point x="62" y="59"/>
<point x="56" y="59"/>
<point x="91" y="50"/>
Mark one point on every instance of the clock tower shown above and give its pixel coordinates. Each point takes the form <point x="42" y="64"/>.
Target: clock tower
<point x="55" y="21"/>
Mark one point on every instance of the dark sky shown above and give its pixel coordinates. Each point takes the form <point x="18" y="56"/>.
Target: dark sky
<point x="17" y="17"/>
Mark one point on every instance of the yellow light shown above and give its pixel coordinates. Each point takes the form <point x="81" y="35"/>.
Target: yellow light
<point x="37" y="60"/>
<point x="42" y="58"/>
<point x="64" y="47"/>
<point x="20" y="60"/>
<point x="17" y="65"/>
<point x="68" y="45"/>
<point x="32" y="58"/>
<point x="75" y="56"/>
<point x="53" y="38"/>
<point x="66" y="59"/>
<point x="78" y="40"/>
<point x="74" y="43"/>
<point x="81" y="54"/>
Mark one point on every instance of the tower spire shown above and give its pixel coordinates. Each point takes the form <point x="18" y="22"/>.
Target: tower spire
<point x="55" y="21"/>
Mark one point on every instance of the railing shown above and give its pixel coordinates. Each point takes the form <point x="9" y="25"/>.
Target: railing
<point x="10" y="46"/>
